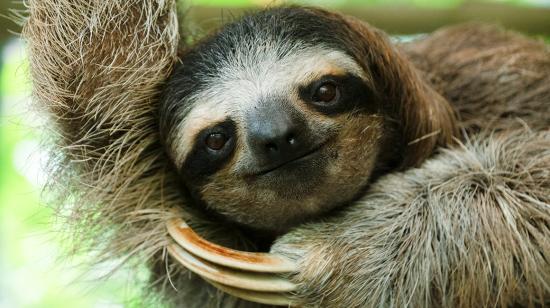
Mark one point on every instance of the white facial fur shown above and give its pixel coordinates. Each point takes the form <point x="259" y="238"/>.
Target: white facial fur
<point x="247" y="77"/>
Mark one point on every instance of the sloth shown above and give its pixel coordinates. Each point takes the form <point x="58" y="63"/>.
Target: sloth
<point x="393" y="174"/>
<point x="290" y="113"/>
<point x="282" y="116"/>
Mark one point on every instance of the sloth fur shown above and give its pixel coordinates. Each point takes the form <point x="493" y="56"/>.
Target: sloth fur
<point x="470" y="227"/>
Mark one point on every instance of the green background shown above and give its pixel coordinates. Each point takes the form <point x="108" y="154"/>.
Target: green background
<point x="35" y="268"/>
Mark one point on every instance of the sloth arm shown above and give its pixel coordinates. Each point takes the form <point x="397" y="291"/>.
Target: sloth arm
<point x="490" y="75"/>
<point x="470" y="228"/>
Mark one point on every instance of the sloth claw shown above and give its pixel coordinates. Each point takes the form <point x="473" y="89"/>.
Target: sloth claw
<point x="268" y="298"/>
<point x="246" y="261"/>
<point x="263" y="282"/>
<point x="247" y="275"/>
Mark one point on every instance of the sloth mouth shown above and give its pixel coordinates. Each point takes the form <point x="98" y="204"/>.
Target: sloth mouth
<point x="298" y="159"/>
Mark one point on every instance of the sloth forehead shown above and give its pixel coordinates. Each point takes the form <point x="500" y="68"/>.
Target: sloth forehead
<point x="258" y="58"/>
<point x="248" y="78"/>
<point x="262" y="75"/>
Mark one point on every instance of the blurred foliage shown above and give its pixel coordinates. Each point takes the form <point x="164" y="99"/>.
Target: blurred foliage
<point x="35" y="270"/>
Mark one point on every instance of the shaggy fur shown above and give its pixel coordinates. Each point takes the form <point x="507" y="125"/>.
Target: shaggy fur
<point x="96" y="77"/>
<point x="491" y="76"/>
<point x="96" y="70"/>
<point x="468" y="228"/>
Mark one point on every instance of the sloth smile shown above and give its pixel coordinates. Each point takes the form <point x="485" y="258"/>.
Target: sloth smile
<point x="307" y="156"/>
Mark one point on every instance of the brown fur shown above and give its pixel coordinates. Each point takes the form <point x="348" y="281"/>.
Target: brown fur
<point x="491" y="76"/>
<point x="426" y="118"/>
<point x="468" y="228"/>
<point x="96" y="69"/>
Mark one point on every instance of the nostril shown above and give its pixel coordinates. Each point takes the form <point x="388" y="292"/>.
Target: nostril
<point x="291" y="139"/>
<point x="271" y="147"/>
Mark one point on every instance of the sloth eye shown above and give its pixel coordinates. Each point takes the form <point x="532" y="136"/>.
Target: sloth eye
<point x="326" y="93"/>
<point x="216" y="141"/>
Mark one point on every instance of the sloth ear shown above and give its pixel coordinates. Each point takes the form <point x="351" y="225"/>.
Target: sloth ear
<point x="425" y="118"/>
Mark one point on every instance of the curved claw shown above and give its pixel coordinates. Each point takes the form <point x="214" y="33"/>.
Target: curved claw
<point x="277" y="299"/>
<point x="246" y="261"/>
<point x="230" y="277"/>
<point x="247" y="275"/>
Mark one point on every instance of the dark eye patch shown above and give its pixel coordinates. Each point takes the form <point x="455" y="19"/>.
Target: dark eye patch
<point x="203" y="161"/>
<point x="354" y="94"/>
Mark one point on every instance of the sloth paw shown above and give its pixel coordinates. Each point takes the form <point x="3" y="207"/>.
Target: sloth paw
<point x="317" y="257"/>
<point x="256" y="277"/>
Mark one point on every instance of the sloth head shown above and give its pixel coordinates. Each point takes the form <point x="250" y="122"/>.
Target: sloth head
<point x="290" y="112"/>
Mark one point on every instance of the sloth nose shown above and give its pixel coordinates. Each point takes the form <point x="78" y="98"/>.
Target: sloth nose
<point x="277" y="143"/>
<point x="274" y="137"/>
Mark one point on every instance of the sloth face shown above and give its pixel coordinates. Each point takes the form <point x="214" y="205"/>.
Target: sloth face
<point x="274" y="119"/>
